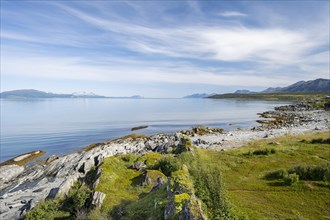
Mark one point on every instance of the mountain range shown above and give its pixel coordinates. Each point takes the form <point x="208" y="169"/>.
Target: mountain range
<point x="32" y="93"/>
<point x="311" y="86"/>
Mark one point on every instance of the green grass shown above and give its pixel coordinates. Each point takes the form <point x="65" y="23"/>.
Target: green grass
<point x="151" y="206"/>
<point x="227" y="185"/>
<point x="256" y="181"/>
<point x="257" y="197"/>
<point x="121" y="184"/>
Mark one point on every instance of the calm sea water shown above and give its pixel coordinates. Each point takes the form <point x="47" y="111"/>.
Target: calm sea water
<point x="60" y="126"/>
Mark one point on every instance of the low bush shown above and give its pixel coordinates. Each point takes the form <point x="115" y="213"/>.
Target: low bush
<point x="316" y="173"/>
<point x="265" y="151"/>
<point x="168" y="164"/>
<point x="184" y="146"/>
<point x="291" y="179"/>
<point x="278" y="174"/>
<point x="49" y="209"/>
<point x="320" y="141"/>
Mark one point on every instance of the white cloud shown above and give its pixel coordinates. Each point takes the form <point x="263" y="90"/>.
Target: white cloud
<point x="227" y="43"/>
<point x="278" y="54"/>
<point x="73" y="69"/>
<point x="232" y="14"/>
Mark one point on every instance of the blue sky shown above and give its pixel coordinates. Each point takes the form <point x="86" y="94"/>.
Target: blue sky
<point x="162" y="48"/>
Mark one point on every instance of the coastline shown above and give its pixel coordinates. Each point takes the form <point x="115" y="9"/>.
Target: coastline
<point x="23" y="188"/>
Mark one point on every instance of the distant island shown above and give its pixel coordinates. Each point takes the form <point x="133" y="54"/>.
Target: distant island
<point x="32" y="93"/>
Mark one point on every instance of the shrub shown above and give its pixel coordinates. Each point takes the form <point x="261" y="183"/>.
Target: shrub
<point x="77" y="197"/>
<point x="184" y="146"/>
<point x="291" y="179"/>
<point x="47" y="210"/>
<point x="278" y="174"/>
<point x="316" y="173"/>
<point x="320" y="141"/>
<point x="43" y="211"/>
<point x="265" y="151"/>
<point x="168" y="164"/>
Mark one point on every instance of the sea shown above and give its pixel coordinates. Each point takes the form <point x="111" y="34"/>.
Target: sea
<point x="64" y="125"/>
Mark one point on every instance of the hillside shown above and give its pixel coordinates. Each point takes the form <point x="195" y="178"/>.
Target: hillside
<point x="302" y="90"/>
<point x="31" y="93"/>
<point x="282" y="178"/>
<point x="311" y="86"/>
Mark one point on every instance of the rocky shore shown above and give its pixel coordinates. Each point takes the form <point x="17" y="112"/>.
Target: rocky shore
<point x="23" y="187"/>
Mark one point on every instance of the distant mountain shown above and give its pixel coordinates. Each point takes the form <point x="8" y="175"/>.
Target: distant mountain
<point x="317" y="85"/>
<point x="244" y="91"/>
<point x="198" y="96"/>
<point x="32" y="93"/>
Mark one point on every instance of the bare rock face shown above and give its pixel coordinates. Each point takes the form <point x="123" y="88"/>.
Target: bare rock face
<point x="36" y="183"/>
<point x="98" y="198"/>
<point x="9" y="172"/>
<point x="27" y="207"/>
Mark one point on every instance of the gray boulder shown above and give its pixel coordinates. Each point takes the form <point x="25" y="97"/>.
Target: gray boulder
<point x="9" y="172"/>
<point x="98" y="198"/>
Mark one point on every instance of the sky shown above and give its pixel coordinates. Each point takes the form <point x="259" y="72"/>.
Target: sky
<point x="162" y="48"/>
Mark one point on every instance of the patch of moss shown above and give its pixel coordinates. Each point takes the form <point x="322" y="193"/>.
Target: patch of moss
<point x="180" y="200"/>
<point x="150" y="159"/>
<point x="155" y="174"/>
<point x="181" y="180"/>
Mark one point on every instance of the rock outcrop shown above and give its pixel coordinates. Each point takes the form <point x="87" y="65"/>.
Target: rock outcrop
<point x="98" y="198"/>
<point x="56" y="177"/>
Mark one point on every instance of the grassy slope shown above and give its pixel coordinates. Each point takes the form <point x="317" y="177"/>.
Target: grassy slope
<point x="120" y="183"/>
<point x="247" y="192"/>
<point x="254" y="196"/>
<point x="227" y="184"/>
